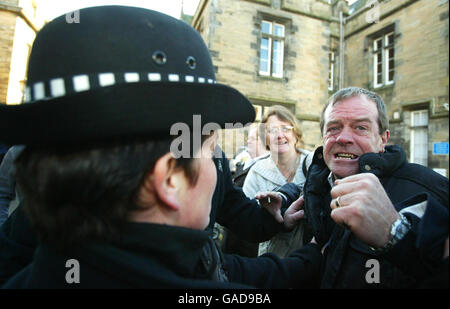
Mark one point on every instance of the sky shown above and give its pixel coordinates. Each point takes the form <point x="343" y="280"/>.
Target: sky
<point x="55" y="8"/>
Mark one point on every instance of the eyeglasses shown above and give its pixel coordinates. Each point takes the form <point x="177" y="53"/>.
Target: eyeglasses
<point x="283" y="129"/>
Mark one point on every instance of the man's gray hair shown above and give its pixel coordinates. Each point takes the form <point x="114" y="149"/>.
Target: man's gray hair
<point x="350" y="92"/>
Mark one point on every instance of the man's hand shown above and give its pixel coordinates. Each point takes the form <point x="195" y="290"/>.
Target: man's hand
<point x="364" y="208"/>
<point x="272" y="202"/>
<point x="294" y="213"/>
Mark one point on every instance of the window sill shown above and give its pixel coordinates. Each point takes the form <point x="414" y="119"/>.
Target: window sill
<point x="271" y="78"/>
<point x="383" y="87"/>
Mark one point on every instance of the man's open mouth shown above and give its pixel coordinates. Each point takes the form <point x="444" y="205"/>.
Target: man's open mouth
<point x="344" y="155"/>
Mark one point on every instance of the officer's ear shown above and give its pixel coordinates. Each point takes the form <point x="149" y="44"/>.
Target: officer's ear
<point x="165" y="183"/>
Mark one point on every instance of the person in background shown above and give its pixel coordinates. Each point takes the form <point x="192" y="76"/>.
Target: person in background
<point x="256" y="147"/>
<point x="283" y="137"/>
<point x="241" y="156"/>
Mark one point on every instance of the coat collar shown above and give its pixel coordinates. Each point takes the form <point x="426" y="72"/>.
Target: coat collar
<point x="144" y="255"/>
<point x="178" y="248"/>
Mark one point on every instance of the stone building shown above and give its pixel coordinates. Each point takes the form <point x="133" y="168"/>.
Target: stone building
<point x="296" y="53"/>
<point x="19" y="23"/>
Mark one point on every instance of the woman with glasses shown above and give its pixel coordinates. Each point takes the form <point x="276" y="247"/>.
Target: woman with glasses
<point x="284" y="165"/>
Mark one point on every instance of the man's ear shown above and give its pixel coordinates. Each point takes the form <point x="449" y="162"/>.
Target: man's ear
<point x="384" y="139"/>
<point x="168" y="181"/>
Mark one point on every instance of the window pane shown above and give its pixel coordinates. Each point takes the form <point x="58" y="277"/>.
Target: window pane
<point x="277" y="69"/>
<point x="391" y="64"/>
<point x="391" y="75"/>
<point x="278" y="30"/>
<point x="265" y="43"/>
<point x="391" y="53"/>
<point x="419" y="118"/>
<point x="415" y="116"/>
<point x="419" y="137"/>
<point x="264" y="66"/>
<point x="377" y="44"/>
<point x="379" y="79"/>
<point x="379" y="59"/>
<point x="277" y="49"/>
<point x="390" y="39"/>
<point x="264" y="54"/>
<point x="420" y="146"/>
<point x="277" y="58"/>
<point x="389" y="58"/>
<point x="379" y="68"/>
<point x="266" y="27"/>
<point x="424" y="117"/>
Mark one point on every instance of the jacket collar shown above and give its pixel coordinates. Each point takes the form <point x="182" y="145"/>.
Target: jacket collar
<point x="177" y="248"/>
<point x="144" y="254"/>
<point x="383" y="164"/>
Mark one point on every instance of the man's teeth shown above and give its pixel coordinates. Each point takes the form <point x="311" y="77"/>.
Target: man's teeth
<point x="345" y="155"/>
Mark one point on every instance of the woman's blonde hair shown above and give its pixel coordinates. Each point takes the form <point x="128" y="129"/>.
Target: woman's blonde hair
<point x="285" y="115"/>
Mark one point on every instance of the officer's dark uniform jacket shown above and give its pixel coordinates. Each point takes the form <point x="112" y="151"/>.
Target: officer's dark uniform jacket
<point x="234" y="243"/>
<point x="415" y="258"/>
<point x="160" y="256"/>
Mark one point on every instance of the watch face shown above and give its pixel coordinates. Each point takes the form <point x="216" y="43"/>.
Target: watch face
<point x="399" y="229"/>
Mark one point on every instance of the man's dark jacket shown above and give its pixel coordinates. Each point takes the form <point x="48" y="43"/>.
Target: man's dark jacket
<point x="417" y="258"/>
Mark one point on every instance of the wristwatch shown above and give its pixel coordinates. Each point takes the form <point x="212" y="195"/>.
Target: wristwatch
<point x="399" y="229"/>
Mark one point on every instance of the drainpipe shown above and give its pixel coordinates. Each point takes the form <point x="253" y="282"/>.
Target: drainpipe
<point x="341" y="49"/>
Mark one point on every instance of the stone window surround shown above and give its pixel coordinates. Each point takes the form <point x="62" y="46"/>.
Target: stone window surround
<point x="288" y="29"/>
<point x="368" y="45"/>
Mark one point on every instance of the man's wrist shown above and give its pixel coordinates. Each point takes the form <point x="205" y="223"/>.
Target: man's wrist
<point x="399" y="229"/>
